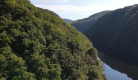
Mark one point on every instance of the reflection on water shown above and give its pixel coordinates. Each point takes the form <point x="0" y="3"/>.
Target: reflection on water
<point x="118" y="69"/>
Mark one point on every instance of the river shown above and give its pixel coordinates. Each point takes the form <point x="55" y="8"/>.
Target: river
<point x="117" y="70"/>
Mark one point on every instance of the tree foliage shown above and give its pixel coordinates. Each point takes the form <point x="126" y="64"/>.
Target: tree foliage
<point x="36" y="45"/>
<point x="83" y="24"/>
<point x="117" y="31"/>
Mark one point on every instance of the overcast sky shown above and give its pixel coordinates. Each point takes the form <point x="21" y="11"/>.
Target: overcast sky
<point x="78" y="9"/>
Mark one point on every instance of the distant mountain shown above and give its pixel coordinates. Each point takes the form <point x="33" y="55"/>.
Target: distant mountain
<point x="36" y="44"/>
<point x="83" y="24"/>
<point x="117" y="31"/>
<point x="68" y="20"/>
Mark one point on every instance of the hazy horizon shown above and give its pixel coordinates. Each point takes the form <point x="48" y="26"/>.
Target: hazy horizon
<point x="78" y="9"/>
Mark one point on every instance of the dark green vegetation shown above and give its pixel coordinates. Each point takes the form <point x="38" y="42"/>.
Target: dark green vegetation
<point x="83" y="24"/>
<point x="35" y="45"/>
<point x="68" y="20"/>
<point x="117" y="31"/>
<point x="50" y="12"/>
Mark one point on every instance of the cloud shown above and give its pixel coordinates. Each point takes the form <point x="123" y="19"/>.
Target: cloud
<point x="72" y="8"/>
<point x="53" y="1"/>
<point x="74" y="12"/>
<point x="122" y="3"/>
<point x="65" y="0"/>
<point x="81" y="10"/>
<point x="99" y="6"/>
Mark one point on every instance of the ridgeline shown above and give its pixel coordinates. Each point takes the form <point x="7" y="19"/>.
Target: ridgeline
<point x="36" y="44"/>
<point x="83" y="24"/>
<point x="117" y="33"/>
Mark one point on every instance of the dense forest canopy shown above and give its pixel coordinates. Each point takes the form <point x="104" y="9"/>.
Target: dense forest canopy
<point x="83" y="24"/>
<point x="35" y="44"/>
<point x="118" y="31"/>
<point x="50" y="12"/>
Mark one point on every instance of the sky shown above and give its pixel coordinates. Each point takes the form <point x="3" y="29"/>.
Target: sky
<point x="79" y="9"/>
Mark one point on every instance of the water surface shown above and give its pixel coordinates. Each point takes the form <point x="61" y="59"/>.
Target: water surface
<point x="117" y="70"/>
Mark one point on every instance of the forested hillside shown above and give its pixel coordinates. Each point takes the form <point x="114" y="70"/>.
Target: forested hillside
<point x="50" y="12"/>
<point x="68" y="20"/>
<point x="36" y="45"/>
<point x="83" y="24"/>
<point x="117" y="31"/>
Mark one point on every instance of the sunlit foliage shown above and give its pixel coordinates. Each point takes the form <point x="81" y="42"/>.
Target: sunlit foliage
<point x="36" y="45"/>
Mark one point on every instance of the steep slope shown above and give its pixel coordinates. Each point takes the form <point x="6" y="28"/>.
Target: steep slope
<point x="117" y="31"/>
<point x="35" y="45"/>
<point x="68" y="20"/>
<point x="50" y="12"/>
<point x="83" y="24"/>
